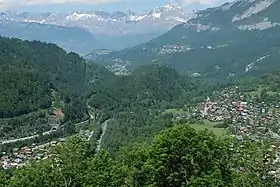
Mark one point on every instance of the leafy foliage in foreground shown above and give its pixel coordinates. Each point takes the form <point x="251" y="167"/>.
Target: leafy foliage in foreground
<point x="180" y="156"/>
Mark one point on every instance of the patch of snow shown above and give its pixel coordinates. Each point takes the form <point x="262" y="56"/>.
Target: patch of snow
<point x="79" y="16"/>
<point x="180" y="19"/>
<point x="251" y="65"/>
<point x="170" y="7"/>
<point x="221" y="46"/>
<point x="156" y="15"/>
<point x="262" y="58"/>
<point x="31" y="21"/>
<point x="137" y="18"/>
<point x="259" y="26"/>
<point x="100" y="19"/>
<point x="261" y="6"/>
<point x="199" y="27"/>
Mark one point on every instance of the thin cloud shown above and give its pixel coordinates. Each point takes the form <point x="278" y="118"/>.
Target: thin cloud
<point x="33" y="2"/>
<point x="14" y="4"/>
<point x="6" y="4"/>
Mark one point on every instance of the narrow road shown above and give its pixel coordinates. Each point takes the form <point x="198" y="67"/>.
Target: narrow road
<point x="104" y="128"/>
<point x="45" y="133"/>
<point x="90" y="136"/>
<point x="77" y="124"/>
<point x="26" y="138"/>
<point x="34" y="136"/>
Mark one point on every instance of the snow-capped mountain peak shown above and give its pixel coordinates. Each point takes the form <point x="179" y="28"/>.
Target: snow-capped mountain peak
<point x="169" y="12"/>
<point x="142" y="27"/>
<point x="79" y="16"/>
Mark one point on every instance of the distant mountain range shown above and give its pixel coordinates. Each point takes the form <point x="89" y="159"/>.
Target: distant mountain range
<point x="117" y="30"/>
<point x="69" y="38"/>
<point x="235" y="39"/>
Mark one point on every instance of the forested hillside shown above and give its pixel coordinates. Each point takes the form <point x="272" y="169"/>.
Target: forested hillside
<point x="135" y="103"/>
<point x="36" y="76"/>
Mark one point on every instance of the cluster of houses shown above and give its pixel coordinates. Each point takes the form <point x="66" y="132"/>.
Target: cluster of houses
<point x="245" y="118"/>
<point x="169" y="49"/>
<point x="20" y="156"/>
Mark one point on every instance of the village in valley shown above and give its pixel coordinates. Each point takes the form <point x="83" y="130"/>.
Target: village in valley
<point x="243" y="117"/>
<point x="233" y="113"/>
<point x="229" y="112"/>
<point x="19" y="156"/>
<point x="239" y="115"/>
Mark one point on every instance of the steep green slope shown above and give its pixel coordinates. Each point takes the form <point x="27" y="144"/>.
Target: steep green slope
<point x="134" y="103"/>
<point x="33" y="68"/>
<point x="235" y="39"/>
<point x="35" y="77"/>
<point x="22" y="91"/>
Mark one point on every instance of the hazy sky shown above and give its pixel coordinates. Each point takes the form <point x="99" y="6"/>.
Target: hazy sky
<point x="107" y="5"/>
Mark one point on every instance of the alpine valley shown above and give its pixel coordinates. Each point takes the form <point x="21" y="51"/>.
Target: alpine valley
<point x="85" y="32"/>
<point x="236" y="39"/>
<point x="194" y="106"/>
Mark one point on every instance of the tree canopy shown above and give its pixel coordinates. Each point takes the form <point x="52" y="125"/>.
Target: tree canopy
<point x="179" y="156"/>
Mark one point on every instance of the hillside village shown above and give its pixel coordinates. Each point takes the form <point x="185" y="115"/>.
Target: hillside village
<point x="19" y="156"/>
<point x="242" y="117"/>
<point x="254" y="120"/>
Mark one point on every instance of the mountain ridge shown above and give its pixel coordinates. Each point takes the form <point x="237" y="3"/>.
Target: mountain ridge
<point x="69" y="38"/>
<point x="234" y="39"/>
<point x="139" y="27"/>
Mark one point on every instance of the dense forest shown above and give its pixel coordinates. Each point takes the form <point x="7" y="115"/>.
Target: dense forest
<point x="35" y="76"/>
<point x="179" y="156"/>
<point x="29" y="70"/>
<point x="135" y="103"/>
